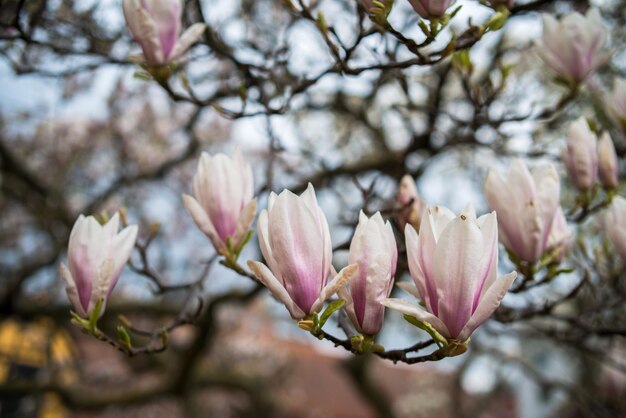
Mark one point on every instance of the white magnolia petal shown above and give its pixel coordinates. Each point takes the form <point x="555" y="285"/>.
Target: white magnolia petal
<point x="203" y="222"/>
<point x="459" y="267"/>
<point x="412" y="244"/>
<point x="344" y="294"/>
<point x="243" y="224"/>
<point x="122" y="247"/>
<point x="418" y="312"/>
<point x="339" y="281"/>
<point x="265" y="276"/>
<point x="488" y="304"/>
<point x="409" y="287"/>
<point x="188" y="38"/>
<point x="72" y="292"/>
<point x="103" y="285"/>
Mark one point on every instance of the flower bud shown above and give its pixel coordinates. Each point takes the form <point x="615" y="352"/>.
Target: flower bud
<point x="430" y="9"/>
<point x="581" y="156"/>
<point x="222" y="206"/>
<point x="615" y="225"/>
<point x="155" y="25"/>
<point x="572" y="47"/>
<point x="607" y="162"/>
<point x="410" y="203"/>
<point x="295" y="242"/>
<point x="526" y="206"/>
<point x="617" y="103"/>
<point x="96" y="256"/>
<point x="373" y="249"/>
<point x="454" y="265"/>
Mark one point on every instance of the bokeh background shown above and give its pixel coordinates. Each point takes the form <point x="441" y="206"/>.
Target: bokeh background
<point x="81" y="131"/>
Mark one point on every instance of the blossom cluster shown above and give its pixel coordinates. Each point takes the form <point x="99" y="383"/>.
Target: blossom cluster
<point x="452" y="259"/>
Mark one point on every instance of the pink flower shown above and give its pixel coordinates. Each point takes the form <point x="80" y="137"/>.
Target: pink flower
<point x="295" y="242"/>
<point x="373" y="249"/>
<point x="615" y="225"/>
<point x="430" y="9"/>
<point x="223" y="207"/>
<point x="561" y="238"/>
<point x="617" y="103"/>
<point x="572" y="47"/>
<point x="155" y="25"/>
<point x="607" y="162"/>
<point x="454" y="265"/>
<point x="96" y="256"/>
<point x="410" y="203"/>
<point x="526" y="206"/>
<point x="581" y="156"/>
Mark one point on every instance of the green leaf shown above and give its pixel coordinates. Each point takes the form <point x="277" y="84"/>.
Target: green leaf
<point x="439" y="339"/>
<point x="331" y="309"/>
<point x="79" y="321"/>
<point x="142" y="75"/>
<point x="95" y="315"/>
<point x="497" y="21"/>
<point x="424" y="27"/>
<point x="321" y="22"/>
<point x="243" y="244"/>
<point x="124" y="337"/>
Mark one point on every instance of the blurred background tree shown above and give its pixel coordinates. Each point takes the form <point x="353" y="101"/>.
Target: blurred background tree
<point x="310" y="91"/>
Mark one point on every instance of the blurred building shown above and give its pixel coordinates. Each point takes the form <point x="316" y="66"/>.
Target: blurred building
<point x="37" y="351"/>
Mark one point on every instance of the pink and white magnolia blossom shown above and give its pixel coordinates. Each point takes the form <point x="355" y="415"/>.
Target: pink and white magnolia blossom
<point x="373" y="249"/>
<point x="155" y="25"/>
<point x="295" y="242"/>
<point x="526" y="206"/>
<point x="561" y="238"/>
<point x="430" y="9"/>
<point x="580" y="155"/>
<point x="607" y="162"/>
<point x="572" y="48"/>
<point x="454" y="265"/>
<point x="96" y="255"/>
<point x="223" y="207"/>
<point x="617" y="103"/>
<point x="410" y="203"/>
<point x="615" y="225"/>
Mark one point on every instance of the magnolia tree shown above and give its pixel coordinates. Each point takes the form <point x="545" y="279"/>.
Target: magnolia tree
<point x="515" y="108"/>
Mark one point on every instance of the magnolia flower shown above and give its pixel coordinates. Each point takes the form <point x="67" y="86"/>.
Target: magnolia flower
<point x="223" y="207"/>
<point x="615" y="225"/>
<point x="607" y="162"/>
<point x="155" y="25"/>
<point x="454" y="264"/>
<point x="580" y="156"/>
<point x="617" y="103"/>
<point x="561" y="237"/>
<point x="410" y="203"/>
<point x="430" y="9"/>
<point x="295" y="242"/>
<point x="96" y="255"/>
<point x="373" y="249"/>
<point x="526" y="205"/>
<point x="572" y="47"/>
